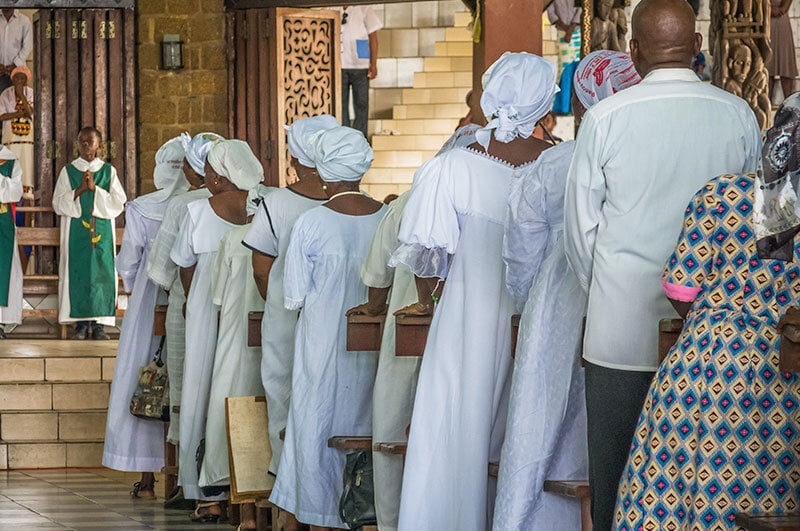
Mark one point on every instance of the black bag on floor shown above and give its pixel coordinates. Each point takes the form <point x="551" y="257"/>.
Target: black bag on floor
<point x="357" y="506"/>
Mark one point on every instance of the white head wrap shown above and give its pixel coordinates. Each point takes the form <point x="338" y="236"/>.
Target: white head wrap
<point x="197" y="149"/>
<point x="602" y="74"/>
<point x="342" y="154"/>
<point x="234" y="160"/>
<point x="168" y="178"/>
<point x="301" y="133"/>
<point x="518" y="91"/>
<point x="255" y="196"/>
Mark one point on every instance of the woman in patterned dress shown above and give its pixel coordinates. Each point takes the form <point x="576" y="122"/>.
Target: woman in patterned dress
<point x="720" y="431"/>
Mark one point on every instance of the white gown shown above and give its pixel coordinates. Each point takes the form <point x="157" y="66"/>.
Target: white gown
<point x="11" y="192"/>
<point x="546" y="426"/>
<point x="236" y="366"/>
<point x="453" y="228"/>
<point x="269" y="235"/>
<point x="396" y="380"/>
<point x="107" y="205"/>
<point x="165" y="273"/>
<point x="197" y="245"/>
<point x="133" y="444"/>
<point x="331" y="387"/>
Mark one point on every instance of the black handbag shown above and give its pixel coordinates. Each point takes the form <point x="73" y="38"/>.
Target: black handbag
<point x="357" y="505"/>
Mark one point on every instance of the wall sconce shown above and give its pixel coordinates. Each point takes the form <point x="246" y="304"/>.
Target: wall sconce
<point x="171" y="52"/>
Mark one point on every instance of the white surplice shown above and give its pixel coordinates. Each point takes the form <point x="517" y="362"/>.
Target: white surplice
<point x="453" y="228"/>
<point x="165" y="273"/>
<point x="236" y="366"/>
<point x="11" y="192"/>
<point x="331" y="387"/>
<point x="546" y="426"/>
<point x="21" y="145"/>
<point x="640" y="156"/>
<point x="133" y="444"/>
<point x="196" y="245"/>
<point x="396" y="380"/>
<point x="107" y="205"/>
<point x="269" y="235"/>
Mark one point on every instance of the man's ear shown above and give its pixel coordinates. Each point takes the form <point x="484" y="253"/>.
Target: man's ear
<point x="698" y="43"/>
<point x="633" y="45"/>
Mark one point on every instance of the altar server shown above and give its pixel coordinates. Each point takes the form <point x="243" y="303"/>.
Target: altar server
<point x="10" y="267"/>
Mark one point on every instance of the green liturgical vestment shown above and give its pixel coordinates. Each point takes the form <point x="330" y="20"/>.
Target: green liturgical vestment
<point x="92" y="278"/>
<point x="6" y="237"/>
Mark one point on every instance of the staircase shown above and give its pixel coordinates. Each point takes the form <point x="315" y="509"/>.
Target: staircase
<point x="427" y="115"/>
<point x="53" y="401"/>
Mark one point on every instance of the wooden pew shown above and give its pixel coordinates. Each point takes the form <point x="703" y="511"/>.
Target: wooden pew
<point x="254" y="328"/>
<point x="365" y="332"/>
<point x="578" y="490"/>
<point x="768" y="522"/>
<point x="411" y="334"/>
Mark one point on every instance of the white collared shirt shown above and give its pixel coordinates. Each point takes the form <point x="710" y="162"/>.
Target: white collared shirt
<point x="361" y="21"/>
<point x="640" y="157"/>
<point x="16" y="39"/>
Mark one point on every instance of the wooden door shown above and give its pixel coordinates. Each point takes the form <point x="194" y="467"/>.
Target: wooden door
<point x="85" y="62"/>
<point x="283" y="65"/>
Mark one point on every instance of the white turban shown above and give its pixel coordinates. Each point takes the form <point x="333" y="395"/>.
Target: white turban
<point x="518" y="91"/>
<point x="234" y="160"/>
<point x="342" y="154"/>
<point x="602" y="74"/>
<point x="168" y="173"/>
<point x="197" y="149"/>
<point x="301" y="135"/>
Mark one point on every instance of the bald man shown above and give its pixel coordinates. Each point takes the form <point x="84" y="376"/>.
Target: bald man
<point x="632" y="175"/>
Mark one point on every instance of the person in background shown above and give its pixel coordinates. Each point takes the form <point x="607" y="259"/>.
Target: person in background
<point x="699" y="67"/>
<point x="622" y="213"/>
<point x="10" y="267"/>
<point x="16" y="43"/>
<point x="88" y="197"/>
<point x="360" y="28"/>
<point x="546" y="430"/>
<point x="566" y="17"/>
<point x="133" y="444"/>
<point x="783" y="61"/>
<point x="16" y="113"/>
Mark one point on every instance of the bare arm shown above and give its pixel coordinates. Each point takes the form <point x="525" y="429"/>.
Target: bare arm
<point x="373" y="55"/>
<point x="262" y="265"/>
<point x="187" y="273"/>
<point x="681" y="307"/>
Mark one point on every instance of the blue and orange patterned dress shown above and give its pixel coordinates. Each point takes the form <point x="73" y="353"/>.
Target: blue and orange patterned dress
<point x="720" y="429"/>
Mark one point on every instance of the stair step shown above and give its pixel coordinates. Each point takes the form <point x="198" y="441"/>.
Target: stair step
<point x="20" y="426"/>
<point x="415" y="96"/>
<point x="401" y="159"/>
<point x="453" y="49"/>
<point x="458" y="34"/>
<point x="447" y="64"/>
<point x="429" y="110"/>
<point x="16" y="348"/>
<point x="36" y="454"/>
<point x="438" y="126"/>
<point x="442" y="79"/>
<point x="408" y="142"/>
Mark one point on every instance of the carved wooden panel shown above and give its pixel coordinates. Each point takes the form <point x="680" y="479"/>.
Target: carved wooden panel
<point x="308" y="71"/>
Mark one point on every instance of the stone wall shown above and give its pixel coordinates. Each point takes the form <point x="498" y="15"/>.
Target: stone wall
<point x="194" y="99"/>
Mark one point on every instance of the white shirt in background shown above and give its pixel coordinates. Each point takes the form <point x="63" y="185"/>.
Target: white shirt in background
<point x="640" y="157"/>
<point x="16" y="39"/>
<point x="361" y="21"/>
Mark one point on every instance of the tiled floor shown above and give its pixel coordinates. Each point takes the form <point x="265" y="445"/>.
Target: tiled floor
<point x="78" y="499"/>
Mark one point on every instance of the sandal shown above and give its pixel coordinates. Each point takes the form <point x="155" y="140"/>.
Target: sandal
<point x="143" y="491"/>
<point x="199" y="517"/>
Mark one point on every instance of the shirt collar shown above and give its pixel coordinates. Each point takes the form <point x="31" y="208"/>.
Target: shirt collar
<point x="671" y="74"/>
<point x="15" y="15"/>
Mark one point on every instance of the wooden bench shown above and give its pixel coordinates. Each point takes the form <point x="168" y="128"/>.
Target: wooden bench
<point x="391" y="448"/>
<point x="768" y="522"/>
<point x="254" y="328"/>
<point x="411" y="334"/>
<point x="347" y="443"/>
<point x="578" y="490"/>
<point x="365" y="332"/>
<point x="514" y="334"/>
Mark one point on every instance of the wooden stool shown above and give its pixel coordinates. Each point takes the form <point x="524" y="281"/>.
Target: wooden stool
<point x="365" y="332"/>
<point x="254" y="329"/>
<point x="768" y="522"/>
<point x="790" y="349"/>
<point x="411" y="334"/>
<point x="669" y="330"/>
<point x="578" y="490"/>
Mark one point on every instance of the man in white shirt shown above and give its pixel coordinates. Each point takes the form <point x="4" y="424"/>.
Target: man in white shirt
<point x="631" y="177"/>
<point x="360" y="28"/>
<point x="16" y="43"/>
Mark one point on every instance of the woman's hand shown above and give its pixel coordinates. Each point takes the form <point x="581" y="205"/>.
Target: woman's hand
<point x="416" y="309"/>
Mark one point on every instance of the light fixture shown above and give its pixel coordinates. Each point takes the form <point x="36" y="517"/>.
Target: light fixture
<point x="171" y="52"/>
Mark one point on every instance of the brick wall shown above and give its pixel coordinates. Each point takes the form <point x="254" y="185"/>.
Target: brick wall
<point x="194" y="99"/>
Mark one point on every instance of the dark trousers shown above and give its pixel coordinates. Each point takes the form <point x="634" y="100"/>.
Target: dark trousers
<point x="358" y="80"/>
<point x="5" y="82"/>
<point x="614" y="400"/>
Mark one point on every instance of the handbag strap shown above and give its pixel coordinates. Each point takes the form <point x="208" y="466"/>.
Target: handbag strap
<point x="157" y="355"/>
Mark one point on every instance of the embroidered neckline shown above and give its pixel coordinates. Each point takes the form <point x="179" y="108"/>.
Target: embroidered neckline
<point x="496" y="159"/>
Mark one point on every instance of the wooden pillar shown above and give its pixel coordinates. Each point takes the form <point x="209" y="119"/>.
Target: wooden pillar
<point x="506" y="26"/>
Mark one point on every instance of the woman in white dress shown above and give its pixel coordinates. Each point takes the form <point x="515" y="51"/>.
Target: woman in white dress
<point x="133" y="444"/>
<point x="164" y="272"/>
<point x="231" y="171"/>
<point x="453" y="229"/>
<point x="11" y="270"/>
<point x="546" y="427"/>
<point x="331" y="387"/>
